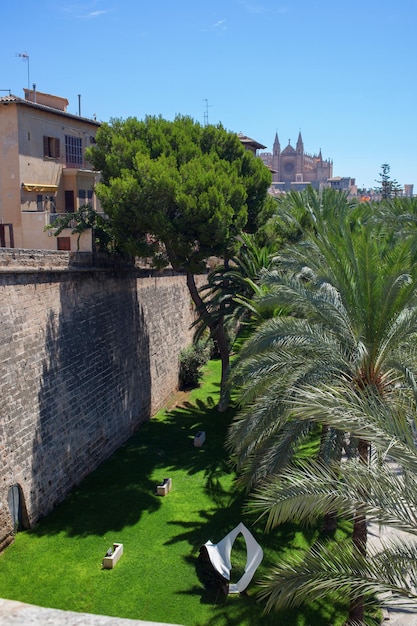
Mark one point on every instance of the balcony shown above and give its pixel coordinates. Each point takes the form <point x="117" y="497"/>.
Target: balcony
<point x="53" y="217"/>
<point x="81" y="165"/>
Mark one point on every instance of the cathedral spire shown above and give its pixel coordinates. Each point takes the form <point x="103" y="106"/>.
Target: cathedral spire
<point x="276" y="147"/>
<point x="300" y="141"/>
<point x="276" y="141"/>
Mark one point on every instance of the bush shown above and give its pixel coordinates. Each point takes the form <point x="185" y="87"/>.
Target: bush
<point x="192" y="360"/>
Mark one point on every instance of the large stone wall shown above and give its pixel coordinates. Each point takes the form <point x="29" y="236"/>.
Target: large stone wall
<point x="87" y="354"/>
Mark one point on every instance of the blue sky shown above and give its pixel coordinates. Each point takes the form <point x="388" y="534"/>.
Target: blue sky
<point x="344" y="73"/>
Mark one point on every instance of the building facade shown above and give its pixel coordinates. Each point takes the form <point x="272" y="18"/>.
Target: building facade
<point x="294" y="169"/>
<point x="43" y="171"/>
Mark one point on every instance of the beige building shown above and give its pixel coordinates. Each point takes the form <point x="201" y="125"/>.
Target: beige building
<point x="43" y="172"/>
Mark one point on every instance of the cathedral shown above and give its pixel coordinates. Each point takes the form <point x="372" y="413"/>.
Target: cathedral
<point x="293" y="168"/>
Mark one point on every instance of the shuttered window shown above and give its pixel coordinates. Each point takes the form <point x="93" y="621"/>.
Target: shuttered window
<point x="64" y="243"/>
<point x="51" y="147"/>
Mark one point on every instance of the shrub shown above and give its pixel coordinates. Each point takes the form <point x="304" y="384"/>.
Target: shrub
<point x="192" y="360"/>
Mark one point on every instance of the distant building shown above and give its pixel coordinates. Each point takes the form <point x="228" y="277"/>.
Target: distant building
<point x="250" y="144"/>
<point x="408" y="190"/>
<point x="344" y="183"/>
<point x="294" y="169"/>
<point x="43" y="171"/>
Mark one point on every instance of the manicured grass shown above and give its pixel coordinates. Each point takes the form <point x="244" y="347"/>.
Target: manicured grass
<point x="58" y="563"/>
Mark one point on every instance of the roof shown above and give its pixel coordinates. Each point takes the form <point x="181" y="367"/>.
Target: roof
<point x="250" y="142"/>
<point x="288" y="150"/>
<point x="12" y="99"/>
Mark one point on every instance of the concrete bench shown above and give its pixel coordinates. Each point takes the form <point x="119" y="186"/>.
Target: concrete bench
<point x="110" y="560"/>
<point x="165" y="487"/>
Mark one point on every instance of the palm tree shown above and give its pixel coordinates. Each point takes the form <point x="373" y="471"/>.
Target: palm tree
<point x="346" y="305"/>
<point x="344" y="301"/>
<point x="383" y="494"/>
<point x="233" y="283"/>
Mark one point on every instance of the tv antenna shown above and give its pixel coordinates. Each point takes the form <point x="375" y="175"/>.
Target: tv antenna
<point x="206" y="118"/>
<point x="25" y="57"/>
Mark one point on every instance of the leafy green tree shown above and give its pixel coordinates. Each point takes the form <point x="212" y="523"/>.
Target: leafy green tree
<point x="86" y="218"/>
<point x="178" y="192"/>
<point x="345" y="301"/>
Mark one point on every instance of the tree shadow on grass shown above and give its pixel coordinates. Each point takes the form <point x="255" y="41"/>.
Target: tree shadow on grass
<point x="122" y="489"/>
<point x="117" y="493"/>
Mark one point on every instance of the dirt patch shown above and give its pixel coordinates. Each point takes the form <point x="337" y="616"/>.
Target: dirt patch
<point x="177" y="400"/>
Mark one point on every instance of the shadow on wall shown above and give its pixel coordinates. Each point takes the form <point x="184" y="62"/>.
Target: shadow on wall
<point x="96" y="383"/>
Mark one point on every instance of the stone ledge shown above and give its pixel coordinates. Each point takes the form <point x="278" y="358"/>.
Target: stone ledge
<point x="14" y="613"/>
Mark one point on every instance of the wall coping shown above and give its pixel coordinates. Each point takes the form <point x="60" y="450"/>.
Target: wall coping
<point x="25" y="261"/>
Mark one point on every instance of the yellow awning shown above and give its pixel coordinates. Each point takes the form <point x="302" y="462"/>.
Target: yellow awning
<point x="39" y="187"/>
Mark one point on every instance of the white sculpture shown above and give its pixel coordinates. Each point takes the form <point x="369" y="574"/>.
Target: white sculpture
<point x="219" y="555"/>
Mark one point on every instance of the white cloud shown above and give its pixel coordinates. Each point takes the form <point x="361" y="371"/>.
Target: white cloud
<point x="219" y="25"/>
<point x="96" y="13"/>
<point x="84" y="11"/>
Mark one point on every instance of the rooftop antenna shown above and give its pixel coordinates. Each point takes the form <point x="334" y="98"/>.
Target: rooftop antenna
<point x="25" y="56"/>
<point x="206" y="120"/>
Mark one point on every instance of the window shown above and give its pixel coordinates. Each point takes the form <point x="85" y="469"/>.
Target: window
<point x="51" y="147"/>
<point x="73" y="151"/>
<point x="85" y="197"/>
<point x="69" y="202"/>
<point x="64" y="243"/>
<point x="39" y="202"/>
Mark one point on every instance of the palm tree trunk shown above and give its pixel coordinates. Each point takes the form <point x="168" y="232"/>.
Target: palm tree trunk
<point x="359" y="539"/>
<point x="330" y="451"/>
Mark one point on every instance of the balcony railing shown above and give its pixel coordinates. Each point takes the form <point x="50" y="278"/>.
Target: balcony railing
<point x="53" y="217"/>
<point x="81" y="165"/>
<point x="75" y="163"/>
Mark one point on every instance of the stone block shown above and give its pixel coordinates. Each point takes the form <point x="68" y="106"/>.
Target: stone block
<point x="165" y="487"/>
<point x="110" y="561"/>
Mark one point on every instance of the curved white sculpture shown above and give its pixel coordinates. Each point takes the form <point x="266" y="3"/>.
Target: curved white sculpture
<point x="219" y="555"/>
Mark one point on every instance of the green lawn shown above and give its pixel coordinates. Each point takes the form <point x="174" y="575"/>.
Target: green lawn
<point x="58" y="563"/>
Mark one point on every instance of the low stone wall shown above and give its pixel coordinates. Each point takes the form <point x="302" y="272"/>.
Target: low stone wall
<point x="88" y="353"/>
<point x="20" y="614"/>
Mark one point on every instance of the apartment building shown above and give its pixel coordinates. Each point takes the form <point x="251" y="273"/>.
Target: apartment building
<point x="43" y="171"/>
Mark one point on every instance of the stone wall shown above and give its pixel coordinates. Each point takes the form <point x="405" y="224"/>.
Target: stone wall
<point x="88" y="353"/>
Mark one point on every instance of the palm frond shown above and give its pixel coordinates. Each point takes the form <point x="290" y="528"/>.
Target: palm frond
<point x="335" y="571"/>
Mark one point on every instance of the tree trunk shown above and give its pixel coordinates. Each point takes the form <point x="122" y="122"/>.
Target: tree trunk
<point x="330" y="451"/>
<point x="359" y="539"/>
<point x="219" y="335"/>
